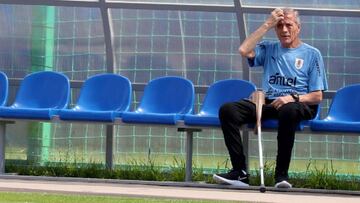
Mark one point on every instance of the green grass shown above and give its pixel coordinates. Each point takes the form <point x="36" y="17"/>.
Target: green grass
<point x="8" y="197"/>
<point x="339" y="175"/>
<point x="203" y="161"/>
<point x="135" y="169"/>
<point x="326" y="177"/>
<point x="315" y="177"/>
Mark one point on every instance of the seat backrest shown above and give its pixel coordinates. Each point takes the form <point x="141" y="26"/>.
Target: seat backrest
<point x="345" y="104"/>
<point x="224" y="91"/>
<point x="105" y="92"/>
<point x="4" y="88"/>
<point x="168" y="94"/>
<point x="44" y="89"/>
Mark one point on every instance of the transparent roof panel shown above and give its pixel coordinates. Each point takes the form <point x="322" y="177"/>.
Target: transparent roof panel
<point x="65" y="39"/>
<point x="15" y="40"/>
<point x="330" y="4"/>
<point x="201" y="46"/>
<point x="79" y="43"/>
<point x="205" y="2"/>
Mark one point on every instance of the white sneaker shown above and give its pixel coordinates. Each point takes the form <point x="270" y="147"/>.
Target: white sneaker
<point x="224" y="181"/>
<point x="283" y="184"/>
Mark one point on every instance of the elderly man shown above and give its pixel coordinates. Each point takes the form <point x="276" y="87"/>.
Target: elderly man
<point x="293" y="82"/>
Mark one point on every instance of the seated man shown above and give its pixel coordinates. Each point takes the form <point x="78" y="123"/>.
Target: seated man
<point x="293" y="82"/>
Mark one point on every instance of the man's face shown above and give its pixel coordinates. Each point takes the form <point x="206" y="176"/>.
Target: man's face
<point x="288" y="31"/>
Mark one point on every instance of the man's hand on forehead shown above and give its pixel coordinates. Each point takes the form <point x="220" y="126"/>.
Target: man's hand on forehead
<point x="276" y="16"/>
<point x="278" y="13"/>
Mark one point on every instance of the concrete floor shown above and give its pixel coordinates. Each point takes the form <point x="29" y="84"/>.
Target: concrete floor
<point x="168" y="190"/>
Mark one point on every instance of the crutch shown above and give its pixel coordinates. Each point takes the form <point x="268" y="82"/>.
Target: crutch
<point x="258" y="98"/>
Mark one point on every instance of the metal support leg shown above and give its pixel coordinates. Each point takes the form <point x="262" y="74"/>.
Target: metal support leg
<point x="2" y="147"/>
<point x="189" y="152"/>
<point x="109" y="146"/>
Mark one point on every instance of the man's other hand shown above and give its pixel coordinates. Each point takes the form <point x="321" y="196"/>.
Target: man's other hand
<point x="280" y="101"/>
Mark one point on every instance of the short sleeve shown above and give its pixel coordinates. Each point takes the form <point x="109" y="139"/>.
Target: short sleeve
<point x="259" y="59"/>
<point x="317" y="75"/>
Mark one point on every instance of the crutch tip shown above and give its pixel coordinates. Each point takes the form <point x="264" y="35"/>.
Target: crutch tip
<point x="262" y="189"/>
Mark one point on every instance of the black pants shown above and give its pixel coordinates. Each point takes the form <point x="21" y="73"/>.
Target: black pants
<point x="233" y="115"/>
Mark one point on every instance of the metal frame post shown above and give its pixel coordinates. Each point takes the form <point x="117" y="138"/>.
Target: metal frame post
<point x="189" y="152"/>
<point x="110" y="63"/>
<point x="109" y="154"/>
<point x="2" y="147"/>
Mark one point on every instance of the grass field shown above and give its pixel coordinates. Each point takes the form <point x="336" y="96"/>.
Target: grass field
<point x="316" y="174"/>
<point x="14" y="197"/>
<point x="204" y="162"/>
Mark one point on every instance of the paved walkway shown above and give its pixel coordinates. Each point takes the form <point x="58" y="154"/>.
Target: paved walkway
<point x="106" y="187"/>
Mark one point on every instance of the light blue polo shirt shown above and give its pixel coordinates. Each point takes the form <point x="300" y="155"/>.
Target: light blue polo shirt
<point x="289" y="70"/>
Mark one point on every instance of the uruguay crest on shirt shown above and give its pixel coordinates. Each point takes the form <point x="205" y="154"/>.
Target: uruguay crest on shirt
<point x="299" y="63"/>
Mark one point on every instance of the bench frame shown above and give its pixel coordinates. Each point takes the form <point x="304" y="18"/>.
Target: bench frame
<point x="181" y="127"/>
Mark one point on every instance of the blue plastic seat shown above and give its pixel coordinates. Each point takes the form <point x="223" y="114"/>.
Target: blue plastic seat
<point x="165" y="101"/>
<point x="344" y="112"/>
<point x="4" y="88"/>
<point x="40" y="95"/>
<point x="102" y="98"/>
<point x="219" y="93"/>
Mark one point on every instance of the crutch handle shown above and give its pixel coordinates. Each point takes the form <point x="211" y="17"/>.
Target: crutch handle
<point x="258" y="98"/>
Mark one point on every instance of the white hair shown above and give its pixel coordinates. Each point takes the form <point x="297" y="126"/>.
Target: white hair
<point x="293" y="11"/>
